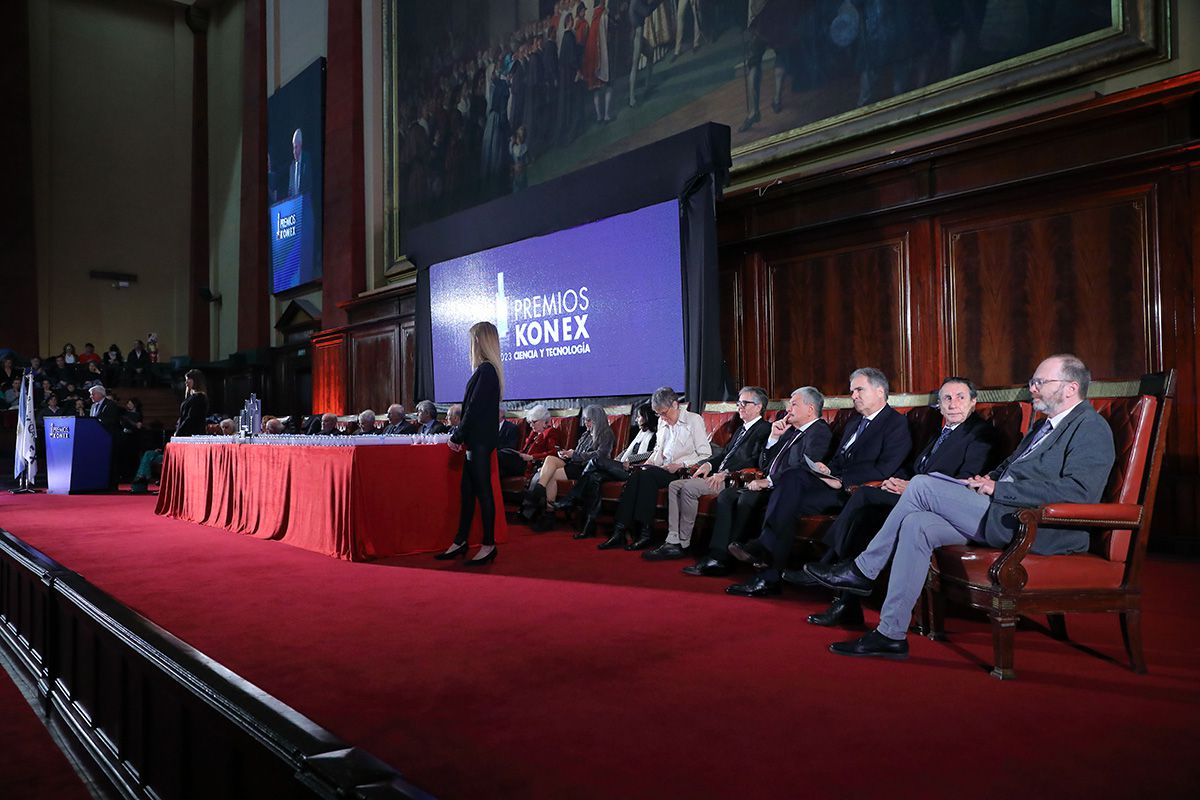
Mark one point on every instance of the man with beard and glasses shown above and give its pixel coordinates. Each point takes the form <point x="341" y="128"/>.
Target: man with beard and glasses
<point x="1066" y="458"/>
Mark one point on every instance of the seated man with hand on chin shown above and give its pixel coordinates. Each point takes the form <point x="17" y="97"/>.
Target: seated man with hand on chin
<point x="683" y="495"/>
<point x="962" y="448"/>
<point x="1066" y="458"/>
<point x="798" y="434"/>
<point x="874" y="445"/>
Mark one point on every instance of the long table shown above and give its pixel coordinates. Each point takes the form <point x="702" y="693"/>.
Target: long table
<point x="351" y="502"/>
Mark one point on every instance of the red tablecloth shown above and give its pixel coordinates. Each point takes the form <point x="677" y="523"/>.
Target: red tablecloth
<point x="355" y="503"/>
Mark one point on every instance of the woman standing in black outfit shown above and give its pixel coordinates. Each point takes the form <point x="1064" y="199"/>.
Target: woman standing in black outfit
<point x="193" y="413"/>
<point x="478" y="434"/>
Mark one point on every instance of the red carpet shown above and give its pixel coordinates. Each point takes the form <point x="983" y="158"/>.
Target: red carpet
<point x="567" y="672"/>
<point x="31" y="765"/>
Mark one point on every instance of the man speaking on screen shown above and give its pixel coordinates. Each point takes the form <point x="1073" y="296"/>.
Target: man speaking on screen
<point x="298" y="177"/>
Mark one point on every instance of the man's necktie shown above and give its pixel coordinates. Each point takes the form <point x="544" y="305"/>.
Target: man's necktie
<point x="95" y="409"/>
<point x="1042" y="433"/>
<point x="940" y="440"/>
<point x="779" y="456"/>
<point x="862" y="426"/>
<point x="733" y="443"/>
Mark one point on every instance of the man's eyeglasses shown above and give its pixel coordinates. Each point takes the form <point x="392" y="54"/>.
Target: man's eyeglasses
<point x="744" y="403"/>
<point x="1038" y="383"/>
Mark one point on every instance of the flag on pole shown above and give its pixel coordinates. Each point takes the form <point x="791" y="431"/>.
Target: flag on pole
<point x="25" y="457"/>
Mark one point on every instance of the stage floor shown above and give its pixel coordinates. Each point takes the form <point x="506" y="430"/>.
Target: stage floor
<point x="561" y="671"/>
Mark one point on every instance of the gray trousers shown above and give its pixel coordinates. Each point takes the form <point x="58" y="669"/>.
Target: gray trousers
<point x="683" y="501"/>
<point x="931" y="513"/>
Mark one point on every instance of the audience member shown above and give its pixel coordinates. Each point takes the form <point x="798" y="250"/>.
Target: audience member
<point x="427" y="421"/>
<point x="366" y="422"/>
<point x="711" y="475"/>
<point x="1066" y="458"/>
<point x="541" y="441"/>
<point x="597" y="441"/>
<point x="114" y="365"/>
<point x="798" y="435"/>
<point x="273" y="426"/>
<point x="328" y="425"/>
<point x="137" y="364"/>
<point x="453" y="418"/>
<point x="9" y="371"/>
<point x="51" y="407"/>
<point x="507" y="447"/>
<point x="962" y="448"/>
<point x="874" y="445"/>
<point x="80" y="407"/>
<point x="68" y="354"/>
<point x="682" y="442"/>
<point x="396" y="421"/>
<point x="89" y="355"/>
<point x="228" y="427"/>
<point x="92" y="375"/>
<point x="12" y="393"/>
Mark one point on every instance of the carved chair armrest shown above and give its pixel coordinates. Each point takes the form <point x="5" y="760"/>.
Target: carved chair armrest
<point x="1093" y="515"/>
<point x="1007" y="572"/>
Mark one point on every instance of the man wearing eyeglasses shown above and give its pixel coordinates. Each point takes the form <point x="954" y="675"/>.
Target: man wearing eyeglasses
<point x="1065" y="458"/>
<point x="683" y="495"/>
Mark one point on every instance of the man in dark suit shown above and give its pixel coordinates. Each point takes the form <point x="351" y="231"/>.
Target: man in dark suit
<point x="299" y="174"/>
<point x="874" y="445"/>
<point x="800" y="433"/>
<point x="396" y="421"/>
<point x="105" y="411"/>
<point x="427" y="421"/>
<point x="962" y="448"/>
<point x="742" y="452"/>
<point x="1066" y="458"/>
<point x="507" y="446"/>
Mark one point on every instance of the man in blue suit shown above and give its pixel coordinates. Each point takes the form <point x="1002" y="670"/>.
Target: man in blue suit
<point x="874" y="444"/>
<point x="1066" y="458"/>
<point x="963" y="447"/>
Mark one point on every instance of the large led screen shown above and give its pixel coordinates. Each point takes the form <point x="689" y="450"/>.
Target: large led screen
<point x="592" y="311"/>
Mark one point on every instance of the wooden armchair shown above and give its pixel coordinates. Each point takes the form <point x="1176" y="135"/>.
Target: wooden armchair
<point x="1012" y="582"/>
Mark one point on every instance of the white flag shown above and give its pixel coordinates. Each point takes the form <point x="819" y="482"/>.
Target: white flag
<point x="25" y="457"/>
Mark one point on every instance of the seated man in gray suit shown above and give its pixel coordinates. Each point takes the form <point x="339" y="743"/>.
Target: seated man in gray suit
<point x="1064" y="459"/>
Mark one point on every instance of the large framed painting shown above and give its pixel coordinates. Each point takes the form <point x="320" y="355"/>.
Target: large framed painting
<point x="487" y="97"/>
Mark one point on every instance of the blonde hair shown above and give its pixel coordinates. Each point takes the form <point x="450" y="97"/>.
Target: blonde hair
<point x="485" y="346"/>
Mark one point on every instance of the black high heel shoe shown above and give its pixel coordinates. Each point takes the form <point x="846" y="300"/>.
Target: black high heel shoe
<point x="450" y="555"/>
<point x="479" y="562"/>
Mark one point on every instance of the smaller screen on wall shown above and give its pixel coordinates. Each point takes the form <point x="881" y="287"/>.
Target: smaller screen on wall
<point x="295" y="146"/>
<point x="592" y="311"/>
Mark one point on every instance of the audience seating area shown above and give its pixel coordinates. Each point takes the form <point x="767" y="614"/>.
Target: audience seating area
<point x="1006" y="583"/>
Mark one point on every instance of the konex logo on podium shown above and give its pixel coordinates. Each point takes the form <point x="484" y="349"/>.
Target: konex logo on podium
<point x="60" y="431"/>
<point x="285" y="227"/>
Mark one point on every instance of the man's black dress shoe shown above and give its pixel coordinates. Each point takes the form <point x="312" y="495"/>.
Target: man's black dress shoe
<point x="450" y="555"/>
<point x="872" y="644"/>
<point x="643" y="542"/>
<point x="665" y="552"/>
<point x="842" y="575"/>
<point x="845" y="610"/>
<point x="758" y="587"/>
<point x="709" y="567"/>
<point x="750" y="553"/>
<point x="800" y="578"/>
<point x="479" y="562"/>
<point x="616" y="540"/>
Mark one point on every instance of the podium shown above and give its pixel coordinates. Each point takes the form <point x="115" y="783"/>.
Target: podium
<point x="78" y="455"/>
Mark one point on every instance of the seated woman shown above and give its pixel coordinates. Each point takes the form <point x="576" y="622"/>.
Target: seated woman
<point x="541" y="441"/>
<point x="597" y="441"/>
<point x="598" y="470"/>
<point x="682" y="441"/>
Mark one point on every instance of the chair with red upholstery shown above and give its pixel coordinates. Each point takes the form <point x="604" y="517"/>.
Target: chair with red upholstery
<point x="1013" y="583"/>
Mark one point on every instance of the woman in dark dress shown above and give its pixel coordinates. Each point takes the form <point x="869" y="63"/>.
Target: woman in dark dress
<point x="477" y="434"/>
<point x="193" y="415"/>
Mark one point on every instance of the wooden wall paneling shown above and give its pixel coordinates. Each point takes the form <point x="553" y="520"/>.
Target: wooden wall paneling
<point x="329" y="374"/>
<point x="374" y="367"/>
<point x="1076" y="275"/>
<point x="833" y="307"/>
<point x="408" y="362"/>
<point x="928" y="357"/>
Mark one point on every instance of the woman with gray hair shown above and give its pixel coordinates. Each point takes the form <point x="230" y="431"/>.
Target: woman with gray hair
<point x="597" y="440"/>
